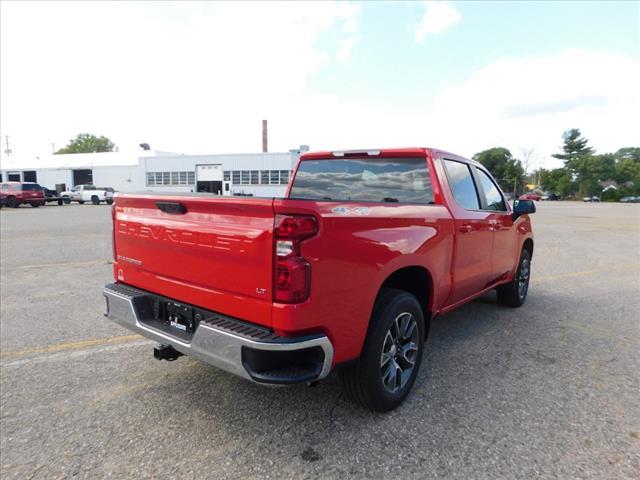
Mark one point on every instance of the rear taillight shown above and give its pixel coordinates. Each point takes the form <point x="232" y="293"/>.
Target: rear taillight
<point x="292" y="273"/>
<point x="113" y="231"/>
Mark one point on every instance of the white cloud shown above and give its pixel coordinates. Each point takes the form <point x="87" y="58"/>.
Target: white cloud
<point x="186" y="77"/>
<point x="350" y="29"/>
<point x="437" y="17"/>
<point x="529" y="102"/>
<point x="200" y="79"/>
<point x="346" y="46"/>
<point x="518" y="103"/>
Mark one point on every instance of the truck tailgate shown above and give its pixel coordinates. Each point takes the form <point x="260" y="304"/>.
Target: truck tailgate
<point x="213" y="252"/>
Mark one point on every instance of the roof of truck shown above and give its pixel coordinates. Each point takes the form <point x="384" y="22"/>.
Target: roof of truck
<point x="382" y="152"/>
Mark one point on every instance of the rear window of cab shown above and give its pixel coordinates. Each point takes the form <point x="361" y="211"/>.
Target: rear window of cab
<point x="401" y="180"/>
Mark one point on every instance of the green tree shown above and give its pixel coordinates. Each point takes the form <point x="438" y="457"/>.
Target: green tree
<point x="88" y="143"/>
<point x="559" y="181"/>
<point x="574" y="147"/>
<point x="628" y="153"/>
<point x="593" y="170"/>
<point x="578" y="159"/>
<point x="586" y="173"/>
<point x="627" y="171"/>
<point x="505" y="169"/>
<point x="566" y="186"/>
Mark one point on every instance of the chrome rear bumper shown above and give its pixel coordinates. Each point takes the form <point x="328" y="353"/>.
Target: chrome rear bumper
<point x="248" y="351"/>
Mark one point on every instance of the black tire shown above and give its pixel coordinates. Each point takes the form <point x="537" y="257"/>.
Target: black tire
<point x="35" y="205"/>
<point x="81" y="202"/>
<point x="60" y="202"/>
<point x="66" y="200"/>
<point x="12" y="202"/>
<point x="370" y="381"/>
<point x="95" y="200"/>
<point x="514" y="293"/>
<point x="109" y="201"/>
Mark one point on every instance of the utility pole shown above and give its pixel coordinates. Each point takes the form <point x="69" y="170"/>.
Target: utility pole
<point x="7" y="150"/>
<point x="53" y="147"/>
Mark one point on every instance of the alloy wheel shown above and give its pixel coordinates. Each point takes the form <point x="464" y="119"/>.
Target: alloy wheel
<point x="399" y="352"/>
<point x="523" y="277"/>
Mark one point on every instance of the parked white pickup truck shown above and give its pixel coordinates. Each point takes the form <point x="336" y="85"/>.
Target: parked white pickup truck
<point x="88" y="193"/>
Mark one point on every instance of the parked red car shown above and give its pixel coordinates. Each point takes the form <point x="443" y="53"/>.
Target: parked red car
<point x="14" y="194"/>
<point x="347" y="272"/>
<point x="530" y="196"/>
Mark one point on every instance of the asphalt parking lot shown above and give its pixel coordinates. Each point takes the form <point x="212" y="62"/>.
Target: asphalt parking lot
<point x="550" y="390"/>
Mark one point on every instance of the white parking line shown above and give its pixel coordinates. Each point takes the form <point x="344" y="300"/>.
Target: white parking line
<point x="65" y="355"/>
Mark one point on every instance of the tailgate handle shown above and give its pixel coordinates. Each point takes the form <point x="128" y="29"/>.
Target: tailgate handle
<point x="172" y="207"/>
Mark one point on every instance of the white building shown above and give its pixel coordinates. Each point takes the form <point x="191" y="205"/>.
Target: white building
<point x="258" y="174"/>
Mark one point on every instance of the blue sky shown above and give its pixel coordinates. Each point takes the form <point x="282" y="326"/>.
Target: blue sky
<point x="388" y="61"/>
<point x="199" y="77"/>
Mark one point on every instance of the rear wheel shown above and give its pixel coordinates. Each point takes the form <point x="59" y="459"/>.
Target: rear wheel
<point x="13" y="202"/>
<point x="391" y="357"/>
<point x="66" y="200"/>
<point x="109" y="201"/>
<point x="35" y="205"/>
<point x="81" y="202"/>
<point x="514" y="293"/>
<point x="95" y="200"/>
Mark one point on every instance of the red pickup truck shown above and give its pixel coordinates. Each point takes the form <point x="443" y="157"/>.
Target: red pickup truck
<point x="346" y="272"/>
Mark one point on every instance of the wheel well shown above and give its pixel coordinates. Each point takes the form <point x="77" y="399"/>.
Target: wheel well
<point x="417" y="281"/>
<point x="528" y="245"/>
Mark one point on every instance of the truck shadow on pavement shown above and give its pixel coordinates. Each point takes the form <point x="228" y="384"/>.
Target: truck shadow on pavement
<point x="468" y="353"/>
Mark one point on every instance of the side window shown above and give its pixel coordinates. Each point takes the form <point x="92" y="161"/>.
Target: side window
<point x="462" y="186"/>
<point x="491" y="192"/>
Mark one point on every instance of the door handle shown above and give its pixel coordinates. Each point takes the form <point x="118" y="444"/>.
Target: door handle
<point x="494" y="225"/>
<point x="466" y="228"/>
<point x="172" y="207"/>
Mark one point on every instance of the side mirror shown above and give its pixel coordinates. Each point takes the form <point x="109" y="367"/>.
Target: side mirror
<point x="522" y="207"/>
